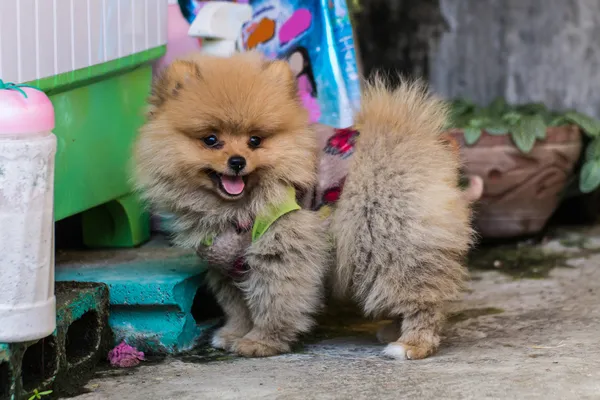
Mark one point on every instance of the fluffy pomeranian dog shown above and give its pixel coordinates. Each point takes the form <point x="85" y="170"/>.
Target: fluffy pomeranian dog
<point x="228" y="149"/>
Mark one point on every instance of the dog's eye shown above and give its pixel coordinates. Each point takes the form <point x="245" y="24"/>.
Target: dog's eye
<point x="210" y="140"/>
<point x="254" y="142"/>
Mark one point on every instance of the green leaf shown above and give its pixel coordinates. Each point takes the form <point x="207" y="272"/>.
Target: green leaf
<point x="511" y="117"/>
<point x="498" y="107"/>
<point x="524" y="135"/>
<point x="589" y="125"/>
<point x="589" y="179"/>
<point x="472" y="135"/>
<point x="38" y="395"/>
<point x="560" y="120"/>
<point x="592" y="152"/>
<point x="460" y="113"/>
<point x="536" y="124"/>
<point x="533" y="108"/>
<point x="461" y="106"/>
<point x="477" y="122"/>
<point x="497" y="129"/>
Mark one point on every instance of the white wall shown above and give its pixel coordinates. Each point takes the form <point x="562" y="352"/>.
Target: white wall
<point x="41" y="38"/>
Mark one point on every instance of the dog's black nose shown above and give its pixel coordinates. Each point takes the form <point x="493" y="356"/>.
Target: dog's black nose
<point x="237" y="163"/>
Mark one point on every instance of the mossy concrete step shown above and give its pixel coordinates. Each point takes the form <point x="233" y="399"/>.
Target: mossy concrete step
<point x="65" y="360"/>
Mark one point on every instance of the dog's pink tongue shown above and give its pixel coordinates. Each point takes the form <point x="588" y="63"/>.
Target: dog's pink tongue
<point x="233" y="185"/>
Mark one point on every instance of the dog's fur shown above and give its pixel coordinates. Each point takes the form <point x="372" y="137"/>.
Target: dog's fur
<point x="400" y="254"/>
<point x="400" y="229"/>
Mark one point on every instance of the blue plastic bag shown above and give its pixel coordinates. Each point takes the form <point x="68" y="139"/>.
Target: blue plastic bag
<point x="315" y="36"/>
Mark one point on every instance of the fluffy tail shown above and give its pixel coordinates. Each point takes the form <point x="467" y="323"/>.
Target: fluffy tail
<point x="401" y="225"/>
<point x="407" y="110"/>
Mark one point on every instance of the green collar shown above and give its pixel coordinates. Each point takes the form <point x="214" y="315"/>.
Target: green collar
<point x="265" y="219"/>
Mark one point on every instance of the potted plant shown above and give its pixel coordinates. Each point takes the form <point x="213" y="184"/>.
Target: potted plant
<point x="527" y="156"/>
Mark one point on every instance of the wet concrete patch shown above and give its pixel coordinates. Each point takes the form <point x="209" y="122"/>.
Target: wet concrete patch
<point x="517" y="260"/>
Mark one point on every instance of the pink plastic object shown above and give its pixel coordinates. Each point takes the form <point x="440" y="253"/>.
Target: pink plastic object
<point x="298" y="23"/>
<point x="22" y="115"/>
<point x="125" y="356"/>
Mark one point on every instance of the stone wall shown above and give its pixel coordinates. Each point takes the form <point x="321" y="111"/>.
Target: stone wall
<point x="524" y="50"/>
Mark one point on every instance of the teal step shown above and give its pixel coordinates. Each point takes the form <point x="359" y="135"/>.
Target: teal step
<point x="151" y="292"/>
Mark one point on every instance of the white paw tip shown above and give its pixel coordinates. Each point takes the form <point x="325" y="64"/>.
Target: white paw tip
<point x="217" y="342"/>
<point x="395" y="351"/>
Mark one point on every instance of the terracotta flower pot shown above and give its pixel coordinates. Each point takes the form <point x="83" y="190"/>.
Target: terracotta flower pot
<point x="521" y="191"/>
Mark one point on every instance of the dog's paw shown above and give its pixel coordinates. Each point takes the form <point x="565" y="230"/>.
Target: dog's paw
<point x="403" y="351"/>
<point x="218" y="342"/>
<point x="257" y="348"/>
<point x="395" y="351"/>
<point x="224" y="339"/>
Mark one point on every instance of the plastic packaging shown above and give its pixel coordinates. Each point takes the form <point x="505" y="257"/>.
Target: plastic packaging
<point x="316" y="38"/>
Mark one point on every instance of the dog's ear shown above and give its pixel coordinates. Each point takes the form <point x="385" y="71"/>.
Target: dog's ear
<point x="281" y="73"/>
<point x="170" y="81"/>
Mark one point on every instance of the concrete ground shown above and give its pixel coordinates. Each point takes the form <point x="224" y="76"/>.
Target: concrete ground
<point x="512" y="337"/>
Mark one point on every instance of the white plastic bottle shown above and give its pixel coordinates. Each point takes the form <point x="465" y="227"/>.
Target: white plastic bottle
<point x="219" y="24"/>
<point x="27" y="150"/>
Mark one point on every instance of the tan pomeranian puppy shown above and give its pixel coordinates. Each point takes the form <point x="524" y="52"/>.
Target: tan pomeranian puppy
<point x="225" y="140"/>
<point x="229" y="151"/>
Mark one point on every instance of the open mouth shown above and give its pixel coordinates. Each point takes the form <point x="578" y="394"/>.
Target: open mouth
<point x="230" y="185"/>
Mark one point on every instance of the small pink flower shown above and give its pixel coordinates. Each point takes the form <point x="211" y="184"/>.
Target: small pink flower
<point x="125" y="356"/>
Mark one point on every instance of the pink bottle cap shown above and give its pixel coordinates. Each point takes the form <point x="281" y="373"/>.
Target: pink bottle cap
<point x="24" y="109"/>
